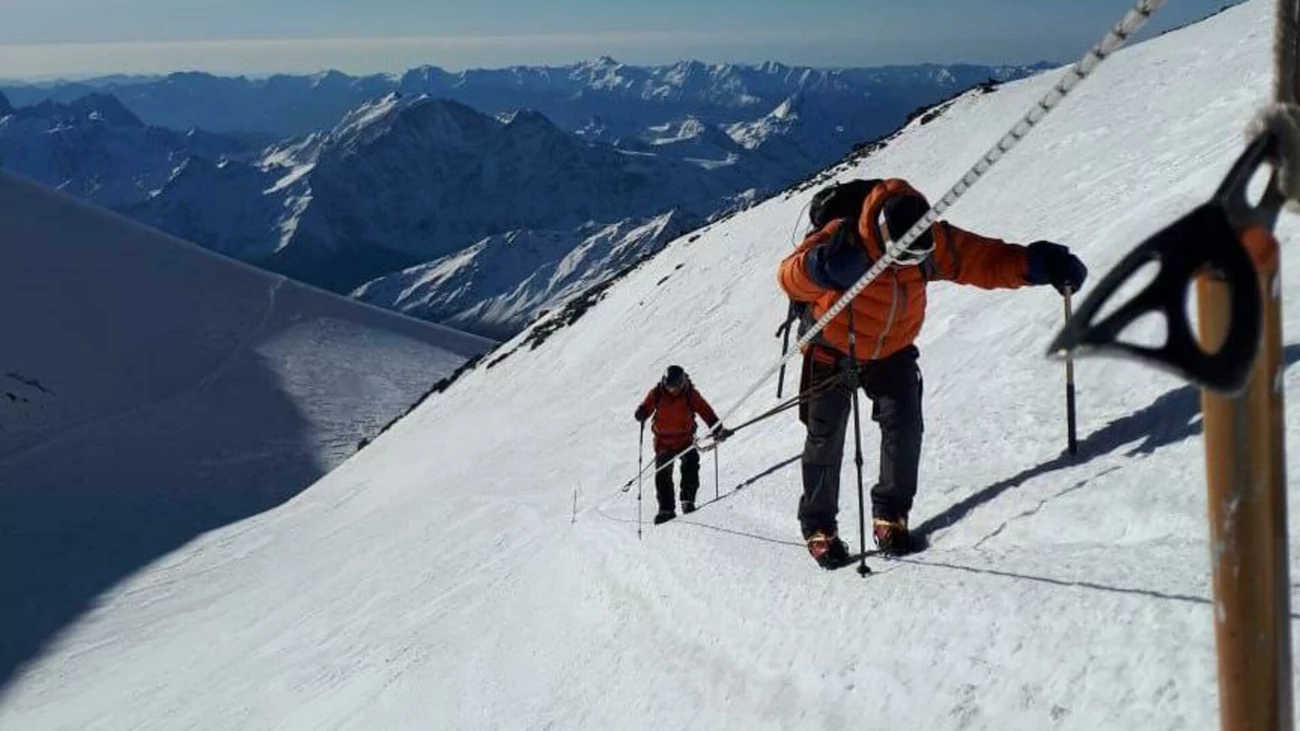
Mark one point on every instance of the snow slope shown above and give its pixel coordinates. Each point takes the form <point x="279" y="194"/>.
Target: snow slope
<point x="151" y="391"/>
<point x="435" y="579"/>
<point x="500" y="284"/>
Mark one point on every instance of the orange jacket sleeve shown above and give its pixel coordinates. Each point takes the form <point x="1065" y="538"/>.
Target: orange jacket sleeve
<point x="967" y="258"/>
<point x="703" y="408"/>
<point x="792" y="275"/>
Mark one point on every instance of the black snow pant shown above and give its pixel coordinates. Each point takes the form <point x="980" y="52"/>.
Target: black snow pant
<point x="664" y="478"/>
<point x="894" y="386"/>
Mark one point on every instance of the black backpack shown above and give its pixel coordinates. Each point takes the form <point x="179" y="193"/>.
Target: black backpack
<point x="840" y="200"/>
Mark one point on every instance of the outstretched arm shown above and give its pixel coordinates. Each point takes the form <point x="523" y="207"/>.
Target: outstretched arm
<point x="968" y="258"/>
<point x="647" y="406"/>
<point x="702" y="407"/>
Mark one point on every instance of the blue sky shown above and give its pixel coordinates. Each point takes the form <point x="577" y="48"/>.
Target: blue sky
<point x="42" y="38"/>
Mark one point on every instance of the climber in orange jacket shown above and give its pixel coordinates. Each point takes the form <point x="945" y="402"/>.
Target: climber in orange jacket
<point x="852" y="226"/>
<point x="674" y="403"/>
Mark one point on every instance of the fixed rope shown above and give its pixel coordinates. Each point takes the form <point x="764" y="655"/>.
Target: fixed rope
<point x="900" y="250"/>
<point x="1286" y="34"/>
<point x="1282" y="116"/>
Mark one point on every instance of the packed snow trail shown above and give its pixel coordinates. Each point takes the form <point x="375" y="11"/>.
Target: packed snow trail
<point x="435" y="580"/>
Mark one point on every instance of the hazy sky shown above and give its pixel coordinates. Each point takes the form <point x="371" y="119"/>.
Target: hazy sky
<point x="43" y="38"/>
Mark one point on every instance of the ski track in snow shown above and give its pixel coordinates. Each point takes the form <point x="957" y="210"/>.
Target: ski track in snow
<point x="435" y="580"/>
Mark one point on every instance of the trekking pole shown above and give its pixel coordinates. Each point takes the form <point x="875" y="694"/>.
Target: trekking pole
<point x="1072" y="438"/>
<point x="716" y="490"/>
<point x="784" y="331"/>
<point x="640" y="468"/>
<point x="863" y="569"/>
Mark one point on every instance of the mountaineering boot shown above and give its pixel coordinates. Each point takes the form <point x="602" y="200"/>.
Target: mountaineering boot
<point x="663" y="516"/>
<point x="891" y="535"/>
<point x="828" y="550"/>
<point x="687" y="507"/>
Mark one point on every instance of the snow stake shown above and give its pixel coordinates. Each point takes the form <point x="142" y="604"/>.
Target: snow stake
<point x="1071" y="432"/>
<point x="1227" y="248"/>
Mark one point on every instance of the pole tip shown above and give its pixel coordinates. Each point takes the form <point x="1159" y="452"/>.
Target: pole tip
<point x="864" y="570"/>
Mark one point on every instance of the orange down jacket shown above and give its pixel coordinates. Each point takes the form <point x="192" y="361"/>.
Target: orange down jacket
<point x="889" y="312"/>
<point x="674" y="416"/>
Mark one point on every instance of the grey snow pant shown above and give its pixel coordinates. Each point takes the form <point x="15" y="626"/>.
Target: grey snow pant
<point x="894" y="386"/>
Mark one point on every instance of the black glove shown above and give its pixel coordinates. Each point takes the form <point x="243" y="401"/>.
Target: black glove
<point x="720" y="433"/>
<point x="641" y="414"/>
<point x="840" y="262"/>
<point x="1053" y="264"/>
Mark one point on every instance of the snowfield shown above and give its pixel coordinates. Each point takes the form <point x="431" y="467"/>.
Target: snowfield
<point x="151" y="391"/>
<point x="437" y="579"/>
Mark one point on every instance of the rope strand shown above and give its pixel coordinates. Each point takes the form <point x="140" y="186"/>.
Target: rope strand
<point x="1282" y="116"/>
<point x="1286" y="34"/>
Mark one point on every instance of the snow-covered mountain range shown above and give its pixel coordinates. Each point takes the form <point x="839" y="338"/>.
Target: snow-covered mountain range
<point x="399" y="182"/>
<point x="412" y="182"/>
<point x="795" y="118"/>
<point x="626" y="98"/>
<point x="94" y="148"/>
<point x="406" y="180"/>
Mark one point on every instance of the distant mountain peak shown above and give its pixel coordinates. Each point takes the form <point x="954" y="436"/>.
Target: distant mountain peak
<point x="529" y="118"/>
<point x="368" y="115"/>
<point x="331" y="77"/>
<point x="96" y="107"/>
<point x="602" y="62"/>
<point x="107" y="108"/>
<point x="788" y="108"/>
<point x="422" y="76"/>
<point x="184" y="76"/>
<point x="772" y="67"/>
<point x="416" y="122"/>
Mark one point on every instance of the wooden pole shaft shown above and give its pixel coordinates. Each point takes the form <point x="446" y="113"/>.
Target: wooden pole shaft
<point x="1246" y="478"/>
